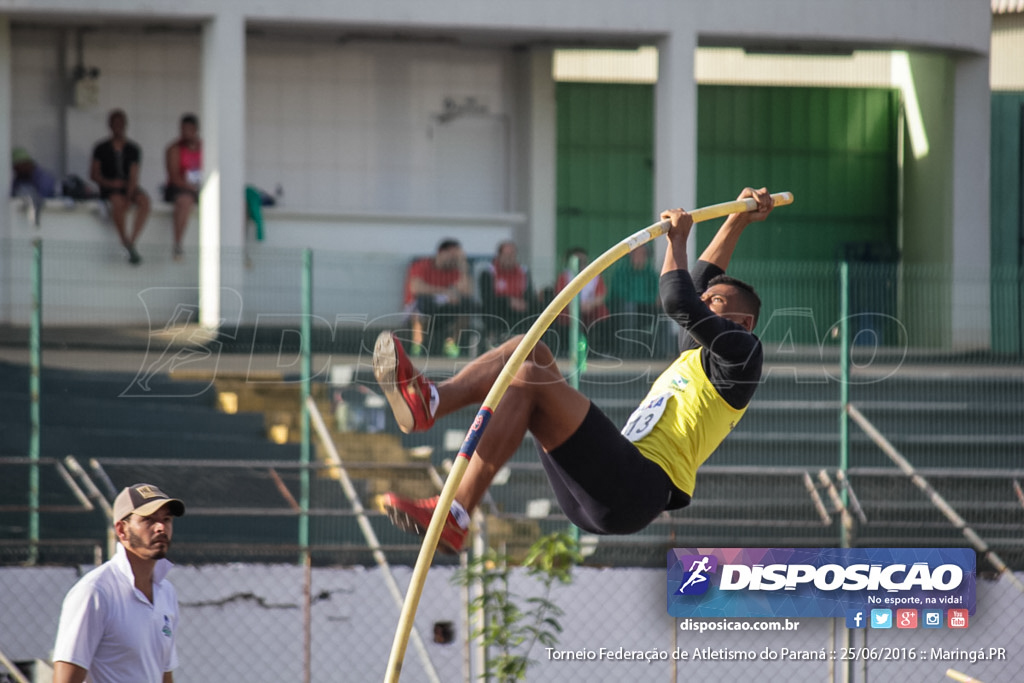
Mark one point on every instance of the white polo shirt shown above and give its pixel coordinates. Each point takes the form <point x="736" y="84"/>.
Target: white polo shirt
<point x="108" y="627"/>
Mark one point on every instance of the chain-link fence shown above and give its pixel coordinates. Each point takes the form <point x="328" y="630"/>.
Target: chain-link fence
<point x="269" y="622"/>
<point x="216" y="421"/>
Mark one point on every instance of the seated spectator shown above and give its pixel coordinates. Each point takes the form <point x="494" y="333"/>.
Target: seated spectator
<point x="506" y="293"/>
<point x="184" y="160"/>
<point x="115" y="169"/>
<point x="439" y="298"/>
<point x="635" y="302"/>
<point x="592" y="296"/>
<point x="31" y="181"/>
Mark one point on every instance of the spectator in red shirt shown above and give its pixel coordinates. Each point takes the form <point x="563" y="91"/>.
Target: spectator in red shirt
<point x="592" y="305"/>
<point x="506" y="293"/>
<point x="439" y="290"/>
<point x="184" y="161"/>
<point x="591" y="298"/>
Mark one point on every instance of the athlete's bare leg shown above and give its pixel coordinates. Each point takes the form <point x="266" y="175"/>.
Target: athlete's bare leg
<point x="538" y="399"/>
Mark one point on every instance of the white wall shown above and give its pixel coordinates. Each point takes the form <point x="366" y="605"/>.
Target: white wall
<point x="345" y="128"/>
<point x="359" y="265"/>
<point x="941" y="24"/>
<point x="355" y="127"/>
<point x="341" y="97"/>
<point x="349" y="133"/>
<point x="35" y="95"/>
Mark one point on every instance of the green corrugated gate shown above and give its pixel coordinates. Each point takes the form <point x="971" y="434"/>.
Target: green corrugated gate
<point x="605" y="163"/>
<point x="834" y="148"/>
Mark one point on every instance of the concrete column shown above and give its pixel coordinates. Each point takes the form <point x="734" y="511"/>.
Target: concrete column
<point x="6" y="102"/>
<point x="222" y="203"/>
<point x="971" y="169"/>
<point x="675" y="127"/>
<point x="542" y="168"/>
<point x="6" y="229"/>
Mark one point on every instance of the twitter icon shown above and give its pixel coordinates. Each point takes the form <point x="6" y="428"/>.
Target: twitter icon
<point x="881" y="618"/>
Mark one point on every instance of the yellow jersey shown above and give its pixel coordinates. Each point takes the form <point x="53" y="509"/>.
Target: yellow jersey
<point x="682" y="420"/>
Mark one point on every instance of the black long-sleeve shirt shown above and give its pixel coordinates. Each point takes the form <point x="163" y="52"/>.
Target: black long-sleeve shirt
<point x="730" y="356"/>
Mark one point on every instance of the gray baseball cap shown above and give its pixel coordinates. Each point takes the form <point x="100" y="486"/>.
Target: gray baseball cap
<point x="144" y="500"/>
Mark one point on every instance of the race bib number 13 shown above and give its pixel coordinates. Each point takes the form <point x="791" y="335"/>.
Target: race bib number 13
<point x="643" y="419"/>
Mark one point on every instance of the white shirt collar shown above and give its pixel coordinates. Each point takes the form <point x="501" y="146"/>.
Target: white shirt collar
<point x="120" y="561"/>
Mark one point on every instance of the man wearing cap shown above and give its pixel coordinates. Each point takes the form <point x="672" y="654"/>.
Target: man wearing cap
<point x="119" y="623"/>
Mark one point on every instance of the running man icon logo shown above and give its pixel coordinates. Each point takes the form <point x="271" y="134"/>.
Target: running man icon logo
<point x="696" y="580"/>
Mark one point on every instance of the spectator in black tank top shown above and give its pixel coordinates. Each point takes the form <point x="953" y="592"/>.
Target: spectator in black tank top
<point x="115" y="168"/>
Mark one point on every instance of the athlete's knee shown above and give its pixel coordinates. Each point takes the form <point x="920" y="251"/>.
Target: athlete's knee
<point x="541" y="355"/>
<point x="540" y="368"/>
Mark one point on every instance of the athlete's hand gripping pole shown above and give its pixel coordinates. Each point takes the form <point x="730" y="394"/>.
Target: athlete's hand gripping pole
<point x="501" y="384"/>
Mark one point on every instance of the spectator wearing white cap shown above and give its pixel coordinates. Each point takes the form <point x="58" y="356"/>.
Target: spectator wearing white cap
<point x="119" y="623"/>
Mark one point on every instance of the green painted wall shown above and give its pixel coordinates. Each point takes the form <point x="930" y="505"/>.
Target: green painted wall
<point x="1007" y="223"/>
<point x="835" y="149"/>
<point x="605" y="163"/>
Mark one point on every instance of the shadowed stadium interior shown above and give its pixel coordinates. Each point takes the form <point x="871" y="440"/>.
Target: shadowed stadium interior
<point x="752" y="491"/>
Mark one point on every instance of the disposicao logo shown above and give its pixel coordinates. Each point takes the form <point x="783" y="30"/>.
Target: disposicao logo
<point x="696" y="579"/>
<point x="822" y="582"/>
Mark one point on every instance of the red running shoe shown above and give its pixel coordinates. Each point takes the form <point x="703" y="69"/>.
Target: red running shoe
<point x="404" y="387"/>
<point x="414" y="516"/>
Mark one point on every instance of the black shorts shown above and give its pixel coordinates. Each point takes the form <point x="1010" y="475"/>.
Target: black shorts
<point x="171" y="193"/>
<point x="107" y="192"/>
<point x="602" y="482"/>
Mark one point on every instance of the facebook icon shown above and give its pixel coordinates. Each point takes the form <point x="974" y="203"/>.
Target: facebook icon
<point x="855" y="618"/>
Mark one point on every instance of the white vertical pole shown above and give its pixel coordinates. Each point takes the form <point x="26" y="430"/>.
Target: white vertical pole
<point x="6" y="103"/>
<point x="542" y="163"/>
<point x="675" y="126"/>
<point x="971" y="316"/>
<point x="222" y="127"/>
<point x="6" y="227"/>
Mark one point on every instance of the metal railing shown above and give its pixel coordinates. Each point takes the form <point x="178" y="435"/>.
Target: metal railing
<point x="942" y="393"/>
